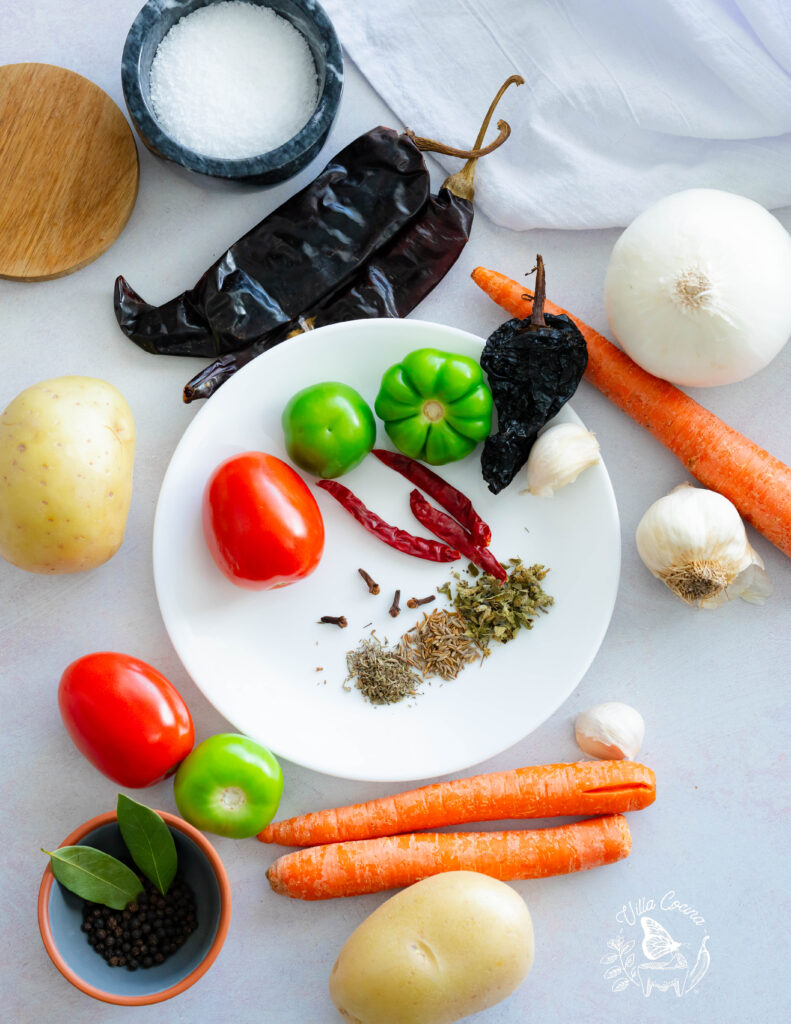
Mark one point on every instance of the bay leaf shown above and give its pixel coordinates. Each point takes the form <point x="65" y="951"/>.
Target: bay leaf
<point x="94" y="875"/>
<point x="149" y="841"/>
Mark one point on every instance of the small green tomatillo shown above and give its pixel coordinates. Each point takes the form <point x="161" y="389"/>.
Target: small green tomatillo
<point x="329" y="429"/>
<point x="229" y="785"/>
<point x="435" y="406"/>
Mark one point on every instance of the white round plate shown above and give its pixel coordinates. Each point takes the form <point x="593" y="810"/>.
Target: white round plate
<point x="266" y="664"/>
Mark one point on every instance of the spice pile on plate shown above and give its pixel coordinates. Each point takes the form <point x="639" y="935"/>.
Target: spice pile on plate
<point x="444" y="642"/>
<point x="438" y="645"/>
<point x="496" y="612"/>
<point x="381" y="674"/>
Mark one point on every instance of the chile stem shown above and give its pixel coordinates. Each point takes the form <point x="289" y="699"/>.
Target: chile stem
<point x="462" y="183"/>
<point x="540" y="294"/>
<point x="432" y="146"/>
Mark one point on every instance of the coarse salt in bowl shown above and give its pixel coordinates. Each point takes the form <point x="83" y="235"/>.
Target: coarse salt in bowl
<point x="236" y="89"/>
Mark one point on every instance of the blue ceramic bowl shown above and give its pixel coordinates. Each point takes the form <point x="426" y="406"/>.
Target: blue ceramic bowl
<point x="150" y="27"/>
<point x="60" y="918"/>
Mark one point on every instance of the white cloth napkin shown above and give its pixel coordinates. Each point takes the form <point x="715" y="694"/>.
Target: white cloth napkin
<point x="625" y="101"/>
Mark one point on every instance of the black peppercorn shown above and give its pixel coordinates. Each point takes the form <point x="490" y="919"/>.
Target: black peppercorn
<point x="137" y="937"/>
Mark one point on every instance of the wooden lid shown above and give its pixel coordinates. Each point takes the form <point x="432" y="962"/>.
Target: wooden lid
<point x="68" y="171"/>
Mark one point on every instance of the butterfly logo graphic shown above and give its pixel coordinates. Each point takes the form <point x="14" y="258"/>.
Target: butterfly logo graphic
<point x="657" y="942"/>
<point x="664" y="968"/>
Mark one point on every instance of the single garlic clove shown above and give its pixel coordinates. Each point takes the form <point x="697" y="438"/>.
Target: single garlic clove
<point x="558" y="457"/>
<point x="694" y="541"/>
<point x="610" y="731"/>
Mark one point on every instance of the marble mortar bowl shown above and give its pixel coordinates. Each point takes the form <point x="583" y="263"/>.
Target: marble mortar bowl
<point x="151" y="25"/>
<point x="60" y="918"/>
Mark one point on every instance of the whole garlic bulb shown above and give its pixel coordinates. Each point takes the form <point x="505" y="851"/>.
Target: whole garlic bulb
<point x="695" y="542"/>
<point x="558" y="457"/>
<point x="610" y="731"/>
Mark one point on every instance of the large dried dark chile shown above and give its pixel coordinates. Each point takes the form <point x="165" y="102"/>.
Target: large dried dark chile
<point x="391" y="284"/>
<point x="304" y="250"/>
<point x="533" y="371"/>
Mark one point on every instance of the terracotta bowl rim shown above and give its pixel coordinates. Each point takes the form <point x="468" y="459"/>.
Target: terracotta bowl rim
<point x="154" y="997"/>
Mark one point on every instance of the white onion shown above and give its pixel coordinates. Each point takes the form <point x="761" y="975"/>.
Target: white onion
<point x="698" y="288"/>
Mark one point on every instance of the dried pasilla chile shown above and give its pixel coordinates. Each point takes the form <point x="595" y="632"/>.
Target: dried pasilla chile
<point x="398" y="276"/>
<point x="303" y="250"/>
<point x="534" y="367"/>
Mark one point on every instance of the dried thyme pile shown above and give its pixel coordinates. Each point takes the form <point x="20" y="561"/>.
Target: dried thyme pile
<point x="439" y="645"/>
<point x="496" y="612"/>
<point x="381" y="674"/>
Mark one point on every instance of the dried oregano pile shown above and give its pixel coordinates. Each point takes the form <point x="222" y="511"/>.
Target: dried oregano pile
<point x="494" y="611"/>
<point x="445" y="642"/>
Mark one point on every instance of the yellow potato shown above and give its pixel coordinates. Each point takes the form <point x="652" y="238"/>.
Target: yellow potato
<point x="442" y="949"/>
<point x="66" y="452"/>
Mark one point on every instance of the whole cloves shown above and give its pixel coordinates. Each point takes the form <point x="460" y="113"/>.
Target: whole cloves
<point x="373" y="586"/>
<point x="416" y="602"/>
<point x="395" y="609"/>
<point x="335" y="620"/>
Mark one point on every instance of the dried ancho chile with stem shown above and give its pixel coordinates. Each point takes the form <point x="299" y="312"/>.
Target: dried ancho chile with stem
<point x="300" y="252"/>
<point x="398" y="276"/>
<point x="534" y="366"/>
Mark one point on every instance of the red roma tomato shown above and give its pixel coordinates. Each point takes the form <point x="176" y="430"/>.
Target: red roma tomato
<point x="125" y="717"/>
<point x="262" y="524"/>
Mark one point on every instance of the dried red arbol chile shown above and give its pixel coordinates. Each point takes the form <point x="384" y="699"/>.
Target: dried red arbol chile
<point x="419" y="547"/>
<point x="445" y="494"/>
<point x="448" y="530"/>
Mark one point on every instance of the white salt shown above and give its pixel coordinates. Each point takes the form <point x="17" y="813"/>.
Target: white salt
<point x="233" y="80"/>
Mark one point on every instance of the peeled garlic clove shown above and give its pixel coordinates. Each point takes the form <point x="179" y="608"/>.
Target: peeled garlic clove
<point x="610" y="731"/>
<point x="558" y="457"/>
<point x="695" y="542"/>
<point x="752" y="584"/>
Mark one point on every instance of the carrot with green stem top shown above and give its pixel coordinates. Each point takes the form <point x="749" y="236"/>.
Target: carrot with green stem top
<point x="721" y="458"/>
<point x="545" y="791"/>
<point x="373" y="865"/>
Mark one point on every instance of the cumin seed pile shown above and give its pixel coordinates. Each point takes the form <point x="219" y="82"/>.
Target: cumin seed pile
<point x="438" y="645"/>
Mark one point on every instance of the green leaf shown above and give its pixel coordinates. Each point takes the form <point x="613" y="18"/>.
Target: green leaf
<point x="149" y="841"/>
<point x="95" y="876"/>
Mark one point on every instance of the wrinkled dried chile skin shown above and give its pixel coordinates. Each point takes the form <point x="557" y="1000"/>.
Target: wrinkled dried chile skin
<point x="302" y="251"/>
<point x="391" y="283"/>
<point x="532" y="374"/>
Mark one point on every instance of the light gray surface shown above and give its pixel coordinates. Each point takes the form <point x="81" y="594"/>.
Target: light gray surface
<point x="712" y="686"/>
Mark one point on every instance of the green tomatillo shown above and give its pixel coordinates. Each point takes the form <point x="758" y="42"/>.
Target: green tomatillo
<point x="329" y="429"/>
<point x="435" y="406"/>
<point x="229" y="785"/>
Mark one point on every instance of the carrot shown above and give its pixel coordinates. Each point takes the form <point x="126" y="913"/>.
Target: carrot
<point x="588" y="787"/>
<point x="372" y="865"/>
<point x="721" y="458"/>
